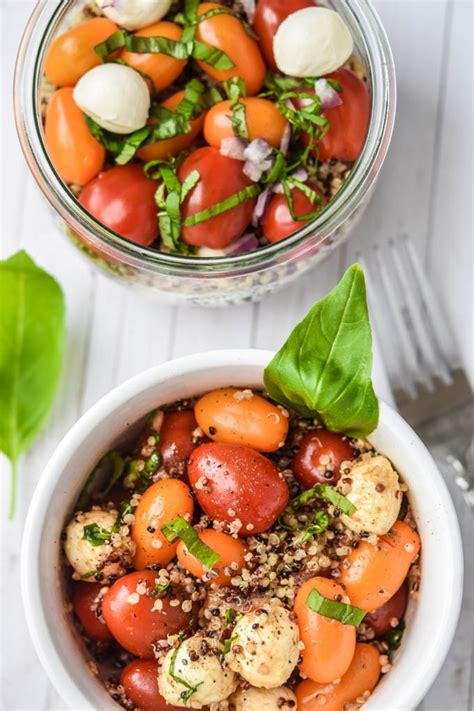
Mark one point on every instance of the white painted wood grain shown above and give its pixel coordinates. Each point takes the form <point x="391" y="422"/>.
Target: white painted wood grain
<point x="113" y="333"/>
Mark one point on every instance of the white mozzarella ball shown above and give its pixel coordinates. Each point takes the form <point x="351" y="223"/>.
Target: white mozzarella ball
<point x="266" y="650"/>
<point x="115" y="96"/>
<point x="134" y="14"/>
<point x="280" y="699"/>
<point x="198" y="662"/>
<point x="110" y="558"/>
<point x="312" y="42"/>
<point x="375" y="492"/>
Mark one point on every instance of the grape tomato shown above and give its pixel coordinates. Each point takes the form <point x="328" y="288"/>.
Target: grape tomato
<point x="319" y="457"/>
<point x="236" y="416"/>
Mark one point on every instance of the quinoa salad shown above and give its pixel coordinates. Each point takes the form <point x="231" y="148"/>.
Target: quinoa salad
<point x="219" y="561"/>
<point x="204" y="129"/>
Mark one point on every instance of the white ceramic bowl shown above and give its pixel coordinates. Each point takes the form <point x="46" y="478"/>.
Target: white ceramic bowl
<point x="431" y="622"/>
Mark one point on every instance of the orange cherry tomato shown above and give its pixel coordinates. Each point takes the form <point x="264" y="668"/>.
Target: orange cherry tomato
<point x="72" y="54"/>
<point x="269" y="14"/>
<point x="278" y="222"/>
<point x="228" y="34"/>
<point x="87" y="603"/>
<point x="229" y="549"/>
<point x="262" y="116"/>
<point x="238" y="416"/>
<point x="140" y="682"/>
<point x="376" y="572"/>
<point x="161" y="69"/>
<point x="162" y="150"/>
<point x="328" y="644"/>
<point x="362" y="675"/>
<point x="160" y="503"/>
<point x="75" y="153"/>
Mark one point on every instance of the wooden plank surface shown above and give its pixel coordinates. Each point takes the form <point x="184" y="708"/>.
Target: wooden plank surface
<point x="113" y="333"/>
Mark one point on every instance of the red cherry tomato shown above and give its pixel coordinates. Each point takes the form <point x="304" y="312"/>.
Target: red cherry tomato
<point x="319" y="457"/>
<point x="123" y="199"/>
<point x="278" y="222"/>
<point x="140" y="682"/>
<point x="381" y="619"/>
<point x="133" y="617"/>
<point x="176" y="437"/>
<point x="87" y="603"/>
<point x="220" y="177"/>
<point x="240" y="483"/>
<point x="348" y="122"/>
<point x="269" y="14"/>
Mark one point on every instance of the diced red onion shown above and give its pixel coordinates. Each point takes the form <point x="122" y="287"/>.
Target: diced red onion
<point x="260" y="206"/>
<point x="233" y="147"/>
<point x="285" y="140"/>
<point x="246" y="243"/>
<point x="257" y="150"/>
<point x="209" y="252"/>
<point x="329" y="97"/>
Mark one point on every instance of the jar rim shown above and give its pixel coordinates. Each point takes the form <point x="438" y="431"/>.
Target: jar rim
<point x="28" y="75"/>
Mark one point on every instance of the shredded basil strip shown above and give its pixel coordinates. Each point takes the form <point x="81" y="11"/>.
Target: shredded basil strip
<point x="180" y="528"/>
<point x="311" y="194"/>
<point x="340" y="611"/>
<point x="229" y="615"/>
<point x="394" y="637"/>
<point x="105" y="138"/>
<point x="95" y="534"/>
<point x="212" y="56"/>
<point x="190" y="690"/>
<point x="111" y="44"/>
<point x="326" y="492"/>
<point x="158" y="589"/>
<point x="220" y="207"/>
<point x="227" y="646"/>
<point x="235" y="90"/>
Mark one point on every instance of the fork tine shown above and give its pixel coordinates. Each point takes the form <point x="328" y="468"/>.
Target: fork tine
<point x="412" y="313"/>
<point x="390" y="320"/>
<point x="430" y="303"/>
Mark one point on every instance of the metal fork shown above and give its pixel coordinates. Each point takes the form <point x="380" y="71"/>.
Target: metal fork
<point x="430" y="388"/>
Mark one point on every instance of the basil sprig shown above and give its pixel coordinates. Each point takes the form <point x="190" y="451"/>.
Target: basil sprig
<point x="324" y="368"/>
<point x="340" y="611"/>
<point x="32" y="336"/>
<point x="180" y="528"/>
<point x="235" y="90"/>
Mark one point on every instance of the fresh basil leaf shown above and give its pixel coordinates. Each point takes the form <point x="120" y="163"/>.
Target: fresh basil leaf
<point x="193" y="102"/>
<point x="105" y="138"/>
<point x="249" y="192"/>
<point x="227" y="646"/>
<point x="32" y="334"/>
<point x="180" y="528"/>
<point x="324" y="368"/>
<point x="132" y="144"/>
<point x="393" y="638"/>
<point x="340" y="611"/>
<point x="158" y="589"/>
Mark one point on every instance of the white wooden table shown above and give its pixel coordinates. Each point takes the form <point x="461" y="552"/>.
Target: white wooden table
<point x="424" y="191"/>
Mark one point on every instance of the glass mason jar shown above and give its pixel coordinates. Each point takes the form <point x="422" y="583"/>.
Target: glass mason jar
<point x="209" y="281"/>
